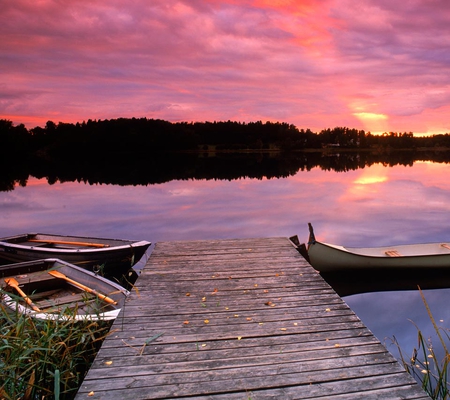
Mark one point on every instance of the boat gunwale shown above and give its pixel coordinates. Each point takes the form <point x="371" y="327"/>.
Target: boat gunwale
<point x="353" y="250"/>
<point x="37" y="248"/>
<point x="16" y="306"/>
<point x="53" y="265"/>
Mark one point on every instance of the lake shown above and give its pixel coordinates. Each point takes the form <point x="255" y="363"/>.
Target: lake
<point x="372" y="206"/>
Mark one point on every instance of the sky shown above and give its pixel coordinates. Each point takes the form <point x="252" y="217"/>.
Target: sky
<point x="377" y="65"/>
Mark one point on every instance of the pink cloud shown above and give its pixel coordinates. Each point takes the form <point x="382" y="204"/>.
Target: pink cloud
<point x="314" y="65"/>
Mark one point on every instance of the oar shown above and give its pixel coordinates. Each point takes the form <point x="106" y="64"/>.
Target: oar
<point x="85" y="244"/>
<point x="60" y="275"/>
<point x="13" y="283"/>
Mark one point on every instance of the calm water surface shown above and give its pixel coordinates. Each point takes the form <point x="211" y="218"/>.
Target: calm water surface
<point x="368" y="207"/>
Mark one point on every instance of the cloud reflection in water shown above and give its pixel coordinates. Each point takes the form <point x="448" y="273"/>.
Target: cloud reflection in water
<point x="373" y="206"/>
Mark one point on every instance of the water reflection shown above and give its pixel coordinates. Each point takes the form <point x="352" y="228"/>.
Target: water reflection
<point x="131" y="170"/>
<point x="347" y="283"/>
<point x="401" y="315"/>
<point x="374" y="206"/>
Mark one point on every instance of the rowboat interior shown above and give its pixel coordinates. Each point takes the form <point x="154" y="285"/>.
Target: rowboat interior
<point x="49" y="293"/>
<point x="68" y="242"/>
<point x="52" y="295"/>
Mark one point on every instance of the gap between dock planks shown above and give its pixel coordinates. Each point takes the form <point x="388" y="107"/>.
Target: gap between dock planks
<point x="240" y="319"/>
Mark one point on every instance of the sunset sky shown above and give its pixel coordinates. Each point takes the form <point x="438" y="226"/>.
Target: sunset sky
<point x="377" y="65"/>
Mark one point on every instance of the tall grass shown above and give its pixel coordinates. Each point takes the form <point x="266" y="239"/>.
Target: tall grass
<point x="43" y="359"/>
<point x="429" y="365"/>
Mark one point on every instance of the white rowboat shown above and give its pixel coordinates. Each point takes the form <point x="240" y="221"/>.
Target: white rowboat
<point x="326" y="257"/>
<point x="54" y="289"/>
<point x="112" y="256"/>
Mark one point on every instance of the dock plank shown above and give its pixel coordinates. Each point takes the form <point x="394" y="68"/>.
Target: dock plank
<point x="239" y="319"/>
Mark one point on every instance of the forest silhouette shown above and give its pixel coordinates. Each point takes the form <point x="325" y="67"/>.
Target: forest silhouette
<point x="148" y="151"/>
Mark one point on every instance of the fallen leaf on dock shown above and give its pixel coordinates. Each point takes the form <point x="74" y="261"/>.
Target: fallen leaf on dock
<point x="206" y="321"/>
<point x="90" y="393"/>
<point x="108" y="362"/>
<point x="188" y="294"/>
<point x="186" y="322"/>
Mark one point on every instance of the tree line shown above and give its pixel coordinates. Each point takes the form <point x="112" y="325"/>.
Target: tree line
<point x="101" y="138"/>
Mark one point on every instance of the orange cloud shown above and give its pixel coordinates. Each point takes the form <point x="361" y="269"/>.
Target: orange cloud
<point x="375" y="123"/>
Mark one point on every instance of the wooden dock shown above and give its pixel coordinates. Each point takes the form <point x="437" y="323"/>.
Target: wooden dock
<point x="240" y="319"/>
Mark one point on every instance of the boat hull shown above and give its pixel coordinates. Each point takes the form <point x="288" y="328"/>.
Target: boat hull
<point x="56" y="298"/>
<point x="330" y="258"/>
<point x="111" y="256"/>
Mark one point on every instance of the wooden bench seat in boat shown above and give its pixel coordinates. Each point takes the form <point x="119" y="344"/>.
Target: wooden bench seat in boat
<point x="39" y="277"/>
<point x="77" y="299"/>
<point x="32" y="244"/>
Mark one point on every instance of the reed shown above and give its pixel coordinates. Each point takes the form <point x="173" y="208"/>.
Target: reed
<point x="429" y="365"/>
<point x="45" y="359"/>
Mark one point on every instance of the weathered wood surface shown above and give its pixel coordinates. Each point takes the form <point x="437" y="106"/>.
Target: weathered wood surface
<point x="240" y="319"/>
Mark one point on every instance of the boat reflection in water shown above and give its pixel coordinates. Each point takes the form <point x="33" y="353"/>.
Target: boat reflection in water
<point x="347" y="283"/>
